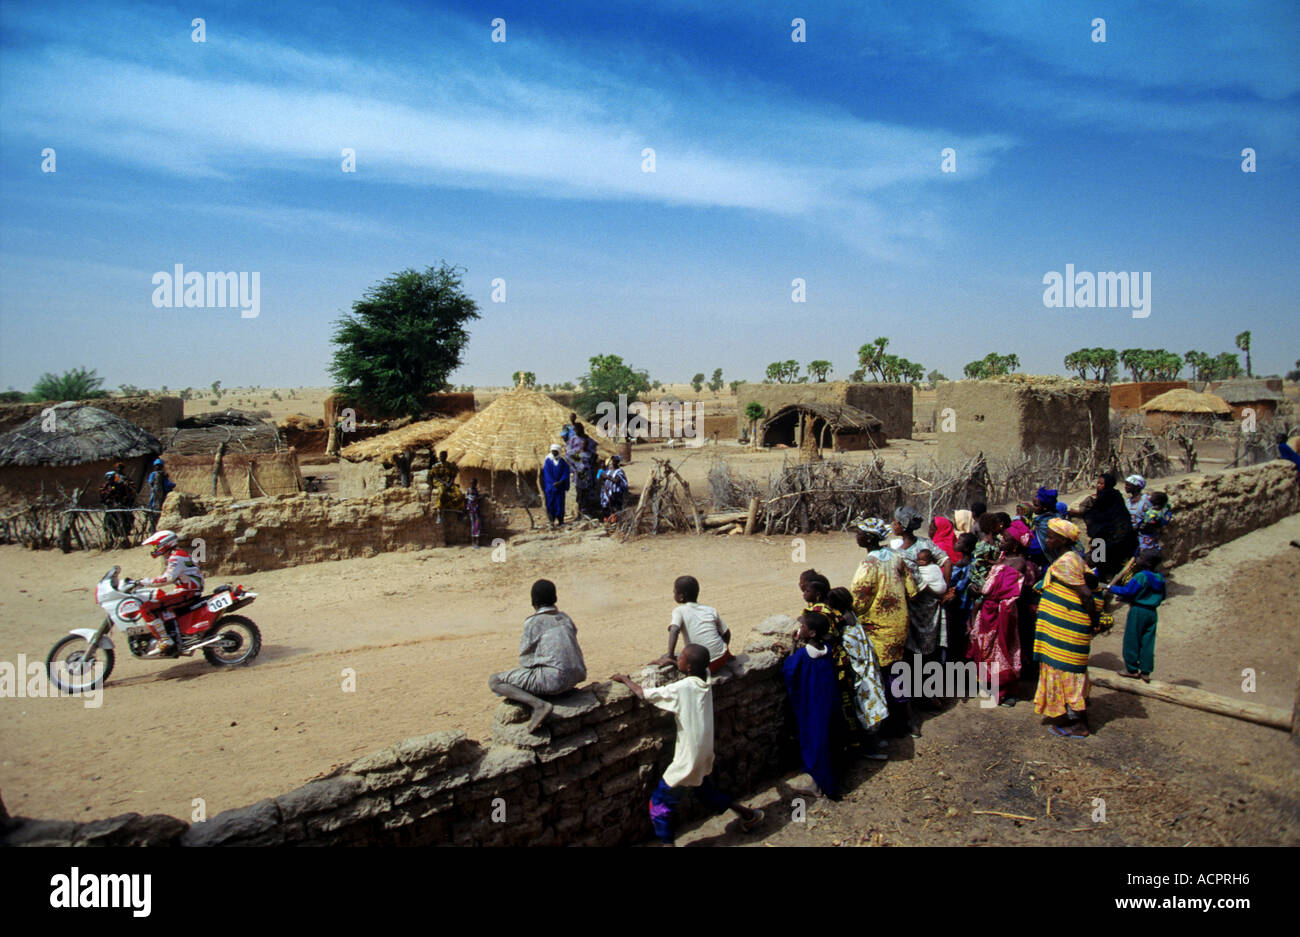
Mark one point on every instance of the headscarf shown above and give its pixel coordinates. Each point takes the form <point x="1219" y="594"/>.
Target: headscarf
<point x="1047" y="496"/>
<point x="1137" y="481"/>
<point x="1063" y="528"/>
<point x="909" y="517"/>
<point x="1019" y="531"/>
<point x="962" y="521"/>
<point x="873" y="525"/>
<point x="943" y="535"/>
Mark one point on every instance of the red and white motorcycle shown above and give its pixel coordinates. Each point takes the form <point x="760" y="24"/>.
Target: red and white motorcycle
<point x="83" y="660"/>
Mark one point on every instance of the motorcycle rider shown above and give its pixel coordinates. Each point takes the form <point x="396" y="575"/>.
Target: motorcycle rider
<point x="182" y="574"/>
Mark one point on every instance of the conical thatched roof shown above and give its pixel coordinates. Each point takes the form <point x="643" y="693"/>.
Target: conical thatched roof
<point x="79" y="434"/>
<point x="414" y="436"/>
<point x="512" y="434"/>
<point x="1183" y="400"/>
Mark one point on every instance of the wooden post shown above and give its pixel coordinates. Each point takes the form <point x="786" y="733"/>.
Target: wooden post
<point x="751" y="519"/>
<point x="216" y="469"/>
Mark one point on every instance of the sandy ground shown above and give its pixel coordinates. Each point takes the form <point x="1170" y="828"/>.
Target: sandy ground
<point x="423" y="630"/>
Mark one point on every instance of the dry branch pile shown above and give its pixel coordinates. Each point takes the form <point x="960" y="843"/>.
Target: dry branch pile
<point x="665" y="504"/>
<point x="49" y="521"/>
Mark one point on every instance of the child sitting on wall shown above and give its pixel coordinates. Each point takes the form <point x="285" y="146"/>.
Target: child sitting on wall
<point x="699" y="624"/>
<point x="550" y="661"/>
<point x="690" y="700"/>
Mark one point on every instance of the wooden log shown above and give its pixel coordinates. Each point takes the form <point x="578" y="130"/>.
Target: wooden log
<point x="751" y="517"/>
<point x="1196" y="699"/>
<point x="724" y="518"/>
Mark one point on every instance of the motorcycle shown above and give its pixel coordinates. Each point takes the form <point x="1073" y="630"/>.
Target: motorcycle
<point x="83" y="660"/>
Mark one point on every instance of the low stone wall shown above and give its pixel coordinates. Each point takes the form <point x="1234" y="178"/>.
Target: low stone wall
<point x="584" y="779"/>
<point x="152" y="414"/>
<point x="1210" y="510"/>
<point x="291" y="530"/>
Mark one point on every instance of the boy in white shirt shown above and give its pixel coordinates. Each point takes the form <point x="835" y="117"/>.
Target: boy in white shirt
<point x="690" y="700"/>
<point x="699" y="624"/>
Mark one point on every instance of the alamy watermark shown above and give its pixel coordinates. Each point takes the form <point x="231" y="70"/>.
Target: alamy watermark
<point x="1110" y="290"/>
<point x="658" y="420"/>
<point x="194" y="290"/>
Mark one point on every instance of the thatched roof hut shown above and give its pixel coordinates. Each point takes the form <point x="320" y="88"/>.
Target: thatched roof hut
<point x="241" y="431"/>
<point x="425" y="434"/>
<point x="1184" y="400"/>
<point x="510" y="437"/>
<point x="1184" y="405"/>
<point x="839" y="426"/>
<point x="70" y="446"/>
<point x="1247" y="394"/>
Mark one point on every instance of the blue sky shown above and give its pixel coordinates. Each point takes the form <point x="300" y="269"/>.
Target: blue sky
<point x="522" y="160"/>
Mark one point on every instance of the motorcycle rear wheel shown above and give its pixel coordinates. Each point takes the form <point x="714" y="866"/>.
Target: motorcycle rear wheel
<point x="64" y="670"/>
<point x="241" y="642"/>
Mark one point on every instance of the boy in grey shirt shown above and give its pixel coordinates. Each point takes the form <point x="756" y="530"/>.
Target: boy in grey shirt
<point x="550" y="661"/>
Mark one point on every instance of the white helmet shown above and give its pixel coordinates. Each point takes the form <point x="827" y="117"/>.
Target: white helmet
<point x="164" y="541"/>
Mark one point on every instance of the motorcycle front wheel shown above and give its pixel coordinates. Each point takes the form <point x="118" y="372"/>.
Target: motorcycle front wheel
<point x="240" y="642"/>
<point x="76" y="667"/>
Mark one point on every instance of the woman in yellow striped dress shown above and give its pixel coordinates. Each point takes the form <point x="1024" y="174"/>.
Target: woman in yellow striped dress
<point x="1067" y="617"/>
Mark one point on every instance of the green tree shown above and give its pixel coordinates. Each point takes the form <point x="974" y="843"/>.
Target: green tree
<point x="819" y="369"/>
<point x="935" y="376"/>
<point x="991" y="365"/>
<point x="783" y="372"/>
<point x="734" y="384"/>
<point x="1243" y="342"/>
<point x="403" y="340"/>
<point x="608" y="377"/>
<point x="1224" y="366"/>
<point x="1079" y="362"/>
<point x="76" y="384"/>
<point x="529" y="378"/>
<point x="716" y="382"/>
<point x="753" y="413"/>
<point x="697" y="382"/>
<point x="871" y="357"/>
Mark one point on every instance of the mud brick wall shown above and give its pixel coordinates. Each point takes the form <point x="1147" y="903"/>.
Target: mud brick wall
<point x="1210" y="510"/>
<point x="889" y="403"/>
<point x="1005" y="419"/>
<point x="584" y="779"/>
<point x="290" y="530"/>
<point x="1132" y="395"/>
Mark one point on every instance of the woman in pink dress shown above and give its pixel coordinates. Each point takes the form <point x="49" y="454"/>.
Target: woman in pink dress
<point x="993" y="635"/>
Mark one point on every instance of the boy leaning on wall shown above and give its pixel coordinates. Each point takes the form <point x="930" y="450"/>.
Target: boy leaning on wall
<point x="690" y="700"/>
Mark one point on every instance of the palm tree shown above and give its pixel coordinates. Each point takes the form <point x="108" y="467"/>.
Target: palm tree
<point x="1243" y="342"/>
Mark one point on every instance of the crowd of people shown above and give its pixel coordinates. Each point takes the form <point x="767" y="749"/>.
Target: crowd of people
<point x="1019" y="595"/>
<point x="599" y="489"/>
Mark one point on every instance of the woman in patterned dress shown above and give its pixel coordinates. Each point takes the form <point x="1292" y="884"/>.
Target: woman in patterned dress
<point x="1067" y="618"/>
<point x="880" y="590"/>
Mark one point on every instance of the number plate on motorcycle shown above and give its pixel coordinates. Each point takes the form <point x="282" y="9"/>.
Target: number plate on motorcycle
<point x="218" y="602"/>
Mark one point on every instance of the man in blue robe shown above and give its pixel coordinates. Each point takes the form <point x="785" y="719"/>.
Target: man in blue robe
<point x="555" y="482"/>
